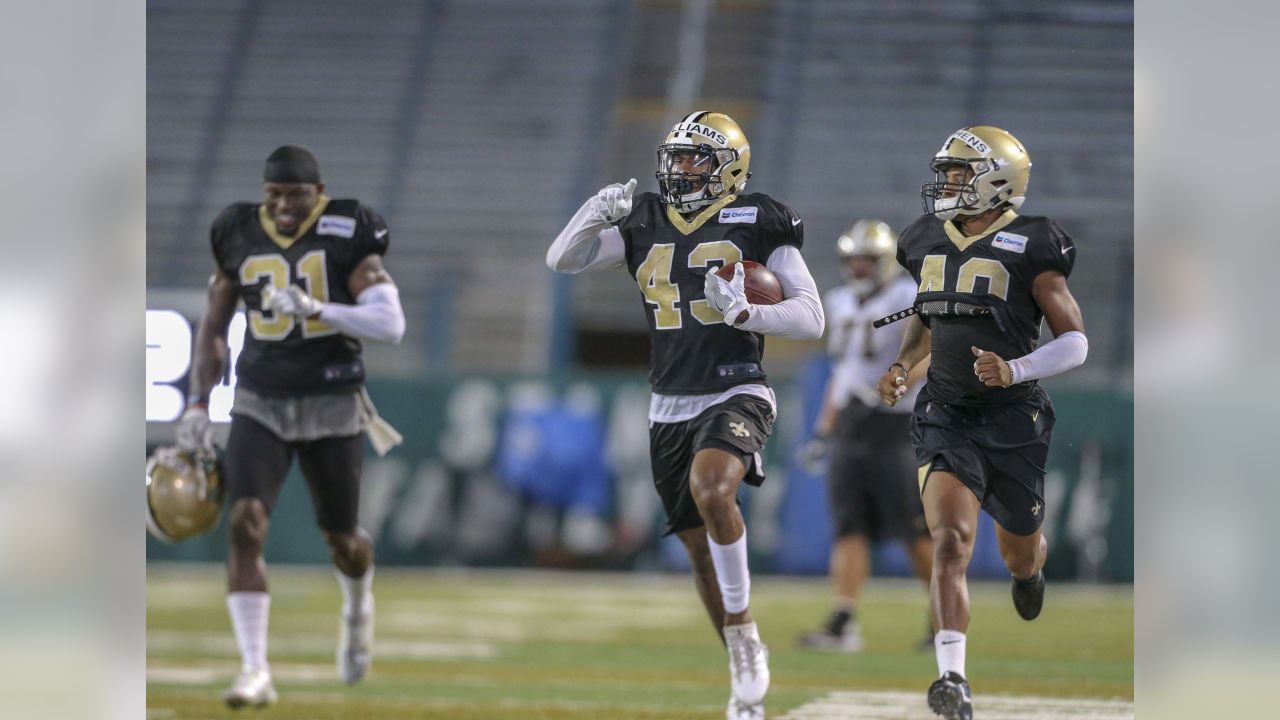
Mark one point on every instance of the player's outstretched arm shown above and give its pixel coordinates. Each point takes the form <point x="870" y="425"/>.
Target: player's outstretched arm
<point x="590" y="241"/>
<point x="799" y="316"/>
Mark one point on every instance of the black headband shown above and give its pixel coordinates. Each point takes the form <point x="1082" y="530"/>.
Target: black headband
<point x="292" y="164"/>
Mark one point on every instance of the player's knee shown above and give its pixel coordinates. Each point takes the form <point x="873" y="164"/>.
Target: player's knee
<point x="951" y="545"/>
<point x="711" y="489"/>
<point x="248" y="522"/>
<point x="1021" y="564"/>
<point x="343" y="544"/>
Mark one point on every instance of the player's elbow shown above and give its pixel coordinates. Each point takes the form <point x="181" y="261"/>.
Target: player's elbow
<point x="556" y="262"/>
<point x="1080" y="343"/>
<point x="395" y="330"/>
<point x="817" y="324"/>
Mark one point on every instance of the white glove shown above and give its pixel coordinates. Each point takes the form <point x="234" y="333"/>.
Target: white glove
<point x="728" y="297"/>
<point x="194" y="429"/>
<point x="293" y="300"/>
<point x="613" y="202"/>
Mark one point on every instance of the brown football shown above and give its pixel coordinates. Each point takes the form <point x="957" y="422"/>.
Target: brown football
<point x="761" y="284"/>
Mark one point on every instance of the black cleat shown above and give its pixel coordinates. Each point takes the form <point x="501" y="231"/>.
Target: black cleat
<point x="925" y="643"/>
<point x="949" y="697"/>
<point x="1028" y="596"/>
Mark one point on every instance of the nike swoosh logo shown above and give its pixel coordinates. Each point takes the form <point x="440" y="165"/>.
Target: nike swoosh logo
<point x="950" y="642"/>
<point x="795" y="222"/>
<point x="380" y="234"/>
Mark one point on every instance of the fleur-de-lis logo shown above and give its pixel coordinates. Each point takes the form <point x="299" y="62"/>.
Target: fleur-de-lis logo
<point x="739" y="429"/>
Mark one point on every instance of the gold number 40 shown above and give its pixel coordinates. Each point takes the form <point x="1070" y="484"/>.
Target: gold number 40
<point x="933" y="275"/>
<point x="269" y="325"/>
<point x="654" y="278"/>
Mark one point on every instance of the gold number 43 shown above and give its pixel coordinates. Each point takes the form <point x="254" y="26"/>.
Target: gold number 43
<point x="654" y="278"/>
<point x="269" y="325"/>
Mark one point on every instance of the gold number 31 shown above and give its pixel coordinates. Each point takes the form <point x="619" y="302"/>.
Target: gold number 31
<point x="269" y="325"/>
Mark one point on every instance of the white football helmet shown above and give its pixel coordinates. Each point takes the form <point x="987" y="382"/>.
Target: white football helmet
<point x="1001" y="169"/>
<point x="873" y="239"/>
<point x="720" y="158"/>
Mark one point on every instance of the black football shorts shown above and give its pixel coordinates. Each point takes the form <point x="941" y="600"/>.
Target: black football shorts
<point x="871" y="482"/>
<point x="257" y="462"/>
<point x="739" y="425"/>
<point x="998" y="451"/>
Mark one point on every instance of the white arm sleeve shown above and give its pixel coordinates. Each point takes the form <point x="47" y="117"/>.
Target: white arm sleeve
<point x="799" y="316"/>
<point x="588" y="242"/>
<point x="1059" y="355"/>
<point x="377" y="315"/>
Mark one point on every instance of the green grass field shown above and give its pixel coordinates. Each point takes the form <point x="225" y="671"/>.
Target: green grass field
<point x="529" y="645"/>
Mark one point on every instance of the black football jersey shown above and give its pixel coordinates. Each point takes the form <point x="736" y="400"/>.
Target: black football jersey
<point x="992" y="273"/>
<point x="283" y="356"/>
<point x="693" y="352"/>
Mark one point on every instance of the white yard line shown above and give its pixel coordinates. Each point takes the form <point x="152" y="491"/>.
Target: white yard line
<point x="911" y="706"/>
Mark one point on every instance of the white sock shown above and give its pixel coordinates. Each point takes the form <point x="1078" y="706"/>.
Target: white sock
<point x="249" y="612"/>
<point x="949" y="646"/>
<point x="357" y="593"/>
<point x="730" y="562"/>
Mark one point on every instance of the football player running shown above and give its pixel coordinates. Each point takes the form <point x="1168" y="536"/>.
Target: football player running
<point x="871" y="476"/>
<point x="309" y="270"/>
<point x="986" y="278"/>
<point x="712" y="408"/>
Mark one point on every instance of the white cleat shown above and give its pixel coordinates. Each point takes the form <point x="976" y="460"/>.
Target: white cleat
<point x="251" y="688"/>
<point x="355" y="645"/>
<point x="748" y="663"/>
<point x="738" y="711"/>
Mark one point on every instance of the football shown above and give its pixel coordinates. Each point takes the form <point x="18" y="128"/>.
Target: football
<point x="761" y="284"/>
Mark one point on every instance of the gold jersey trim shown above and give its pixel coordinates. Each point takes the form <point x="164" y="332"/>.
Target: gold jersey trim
<point x="686" y="227"/>
<point x="962" y="241"/>
<point x="279" y="238"/>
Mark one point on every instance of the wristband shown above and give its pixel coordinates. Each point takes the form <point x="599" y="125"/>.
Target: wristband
<point x="195" y="400"/>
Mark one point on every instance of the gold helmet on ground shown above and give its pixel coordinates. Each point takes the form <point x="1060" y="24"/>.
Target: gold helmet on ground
<point x="1001" y="169"/>
<point x="184" y="493"/>
<point x="873" y="239"/>
<point x="704" y="158"/>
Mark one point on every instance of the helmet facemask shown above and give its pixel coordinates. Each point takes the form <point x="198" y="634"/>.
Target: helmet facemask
<point x="689" y="175"/>
<point x="947" y="199"/>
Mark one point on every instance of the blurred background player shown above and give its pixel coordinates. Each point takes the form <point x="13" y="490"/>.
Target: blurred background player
<point x="712" y="409"/>
<point x="871" y="475"/>
<point x="309" y="271"/>
<point x="987" y="277"/>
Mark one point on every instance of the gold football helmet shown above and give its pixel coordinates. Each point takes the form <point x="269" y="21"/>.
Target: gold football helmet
<point x="1001" y="169"/>
<point x="184" y="493"/>
<point x="873" y="239"/>
<point x="704" y="158"/>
